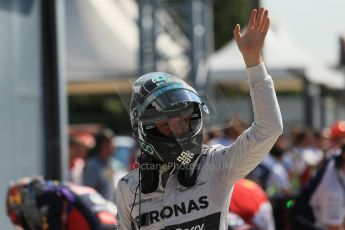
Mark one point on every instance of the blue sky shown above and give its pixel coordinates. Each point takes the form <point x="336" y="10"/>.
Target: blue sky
<point x="314" y="25"/>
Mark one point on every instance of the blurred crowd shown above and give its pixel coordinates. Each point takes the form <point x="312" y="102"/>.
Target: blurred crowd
<point x="300" y="178"/>
<point x="275" y="195"/>
<point x="271" y="190"/>
<point x="97" y="160"/>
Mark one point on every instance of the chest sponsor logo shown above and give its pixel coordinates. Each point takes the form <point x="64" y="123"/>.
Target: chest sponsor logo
<point x="209" y="222"/>
<point x="174" y="210"/>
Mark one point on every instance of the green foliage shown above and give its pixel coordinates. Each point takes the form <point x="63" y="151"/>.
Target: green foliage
<point x="227" y="13"/>
<point x="108" y="110"/>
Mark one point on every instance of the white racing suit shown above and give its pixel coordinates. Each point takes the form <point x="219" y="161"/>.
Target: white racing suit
<point x="205" y="205"/>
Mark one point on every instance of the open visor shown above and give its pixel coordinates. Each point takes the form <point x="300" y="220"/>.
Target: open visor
<point x="168" y="101"/>
<point x="164" y="105"/>
<point x="190" y="118"/>
<point x="186" y="109"/>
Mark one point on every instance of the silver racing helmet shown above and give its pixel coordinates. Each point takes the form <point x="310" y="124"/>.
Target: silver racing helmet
<point x="157" y="99"/>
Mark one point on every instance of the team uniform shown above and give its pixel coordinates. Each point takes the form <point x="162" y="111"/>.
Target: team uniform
<point x="205" y="205"/>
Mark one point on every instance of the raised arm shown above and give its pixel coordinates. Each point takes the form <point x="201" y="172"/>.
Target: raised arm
<point x="249" y="149"/>
<point x="251" y="42"/>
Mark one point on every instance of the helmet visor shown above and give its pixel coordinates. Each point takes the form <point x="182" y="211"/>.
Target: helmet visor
<point x="169" y="99"/>
<point x="175" y="124"/>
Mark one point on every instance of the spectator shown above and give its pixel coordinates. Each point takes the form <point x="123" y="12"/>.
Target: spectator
<point x="303" y="158"/>
<point x="321" y="204"/>
<point x="251" y="203"/>
<point x="271" y="174"/>
<point x="274" y="178"/>
<point x="98" y="172"/>
<point x="337" y="137"/>
<point x="236" y="128"/>
<point x="77" y="154"/>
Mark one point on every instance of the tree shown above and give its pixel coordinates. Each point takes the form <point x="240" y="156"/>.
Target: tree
<point x="227" y="13"/>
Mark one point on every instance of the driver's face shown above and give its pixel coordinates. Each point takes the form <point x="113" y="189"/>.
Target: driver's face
<point x="177" y="126"/>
